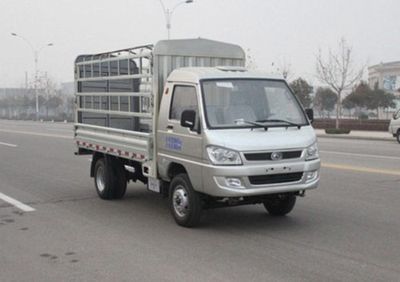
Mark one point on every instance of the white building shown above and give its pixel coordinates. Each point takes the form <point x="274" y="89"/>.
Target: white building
<point x="386" y="76"/>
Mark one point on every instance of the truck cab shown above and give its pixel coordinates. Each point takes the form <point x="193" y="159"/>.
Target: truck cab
<point x="237" y="137"/>
<point x="394" y="125"/>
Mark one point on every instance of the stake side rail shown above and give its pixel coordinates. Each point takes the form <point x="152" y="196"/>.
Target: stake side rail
<point x="111" y="58"/>
<point x="114" y="111"/>
<point x="115" y="77"/>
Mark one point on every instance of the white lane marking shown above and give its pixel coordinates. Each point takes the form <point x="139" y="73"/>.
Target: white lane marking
<point x="36" y="134"/>
<point x="8" y="144"/>
<point x="360" y="155"/>
<point x="16" y="203"/>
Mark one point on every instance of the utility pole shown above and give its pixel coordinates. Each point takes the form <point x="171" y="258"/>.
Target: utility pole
<point x="168" y="14"/>
<point x="36" y="53"/>
<point x="26" y="80"/>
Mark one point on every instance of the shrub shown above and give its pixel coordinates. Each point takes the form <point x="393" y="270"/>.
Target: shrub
<point x="363" y="116"/>
<point x="337" y="131"/>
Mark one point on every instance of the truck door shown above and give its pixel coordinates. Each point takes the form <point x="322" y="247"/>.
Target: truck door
<point x="181" y="144"/>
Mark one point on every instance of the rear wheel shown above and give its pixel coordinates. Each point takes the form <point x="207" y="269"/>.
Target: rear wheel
<point x="109" y="178"/>
<point x="185" y="202"/>
<point x="280" y="205"/>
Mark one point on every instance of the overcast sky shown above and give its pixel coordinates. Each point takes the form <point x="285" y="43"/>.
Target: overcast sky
<point x="275" y="31"/>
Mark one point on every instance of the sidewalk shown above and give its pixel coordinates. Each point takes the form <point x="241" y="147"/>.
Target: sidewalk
<point x="359" y="134"/>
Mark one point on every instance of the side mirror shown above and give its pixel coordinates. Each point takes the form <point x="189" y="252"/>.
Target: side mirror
<point x="395" y="115"/>
<point x="188" y="118"/>
<point x="310" y="114"/>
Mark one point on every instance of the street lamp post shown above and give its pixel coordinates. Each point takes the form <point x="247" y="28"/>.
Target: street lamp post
<point x="36" y="53"/>
<point x="168" y="14"/>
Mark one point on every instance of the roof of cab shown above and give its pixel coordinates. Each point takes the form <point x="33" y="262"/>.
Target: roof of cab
<point x="199" y="47"/>
<point x="195" y="74"/>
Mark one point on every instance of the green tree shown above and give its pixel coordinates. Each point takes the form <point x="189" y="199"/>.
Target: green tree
<point x="348" y="103"/>
<point x="325" y="99"/>
<point x="371" y="99"/>
<point x="357" y="98"/>
<point x="387" y="100"/>
<point x="302" y="90"/>
<point x="378" y="98"/>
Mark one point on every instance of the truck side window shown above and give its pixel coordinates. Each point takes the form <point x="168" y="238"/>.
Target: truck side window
<point x="183" y="98"/>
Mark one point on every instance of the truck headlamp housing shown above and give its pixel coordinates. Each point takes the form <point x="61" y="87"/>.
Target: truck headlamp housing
<point x="223" y="156"/>
<point x="312" y="152"/>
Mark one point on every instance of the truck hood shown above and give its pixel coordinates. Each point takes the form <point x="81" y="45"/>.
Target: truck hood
<point x="260" y="140"/>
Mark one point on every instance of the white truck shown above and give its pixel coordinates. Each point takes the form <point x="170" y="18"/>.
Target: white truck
<point x="394" y="125"/>
<point x="188" y="120"/>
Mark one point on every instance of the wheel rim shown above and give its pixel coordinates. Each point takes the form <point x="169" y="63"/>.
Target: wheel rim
<point x="180" y="201"/>
<point x="100" y="179"/>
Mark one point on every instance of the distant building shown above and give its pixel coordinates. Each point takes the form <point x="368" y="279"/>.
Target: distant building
<point x="386" y="76"/>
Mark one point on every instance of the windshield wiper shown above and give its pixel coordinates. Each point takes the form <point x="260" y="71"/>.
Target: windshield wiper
<point x="289" y="123"/>
<point x="239" y="121"/>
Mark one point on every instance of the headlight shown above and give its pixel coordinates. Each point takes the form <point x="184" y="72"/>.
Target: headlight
<point x="222" y="156"/>
<point x="312" y="152"/>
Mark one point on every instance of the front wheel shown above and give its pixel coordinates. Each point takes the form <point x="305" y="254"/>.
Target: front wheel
<point x="280" y="205"/>
<point x="398" y="136"/>
<point x="185" y="202"/>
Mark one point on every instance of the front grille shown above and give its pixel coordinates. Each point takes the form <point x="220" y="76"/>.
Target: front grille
<point x="267" y="156"/>
<point x="275" y="178"/>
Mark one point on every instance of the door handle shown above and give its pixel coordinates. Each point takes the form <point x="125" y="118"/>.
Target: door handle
<point x="170" y="127"/>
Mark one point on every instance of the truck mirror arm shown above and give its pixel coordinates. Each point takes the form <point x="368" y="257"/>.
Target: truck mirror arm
<point x="310" y="114"/>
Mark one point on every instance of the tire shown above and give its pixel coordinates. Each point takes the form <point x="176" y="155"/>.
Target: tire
<point x="184" y="202"/>
<point x="109" y="178"/>
<point x="280" y="205"/>
<point x="121" y="179"/>
<point x="398" y="136"/>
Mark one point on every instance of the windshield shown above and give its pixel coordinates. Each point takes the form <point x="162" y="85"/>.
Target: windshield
<point x="243" y="102"/>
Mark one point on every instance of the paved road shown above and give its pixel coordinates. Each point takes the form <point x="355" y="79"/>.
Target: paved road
<point x="347" y="230"/>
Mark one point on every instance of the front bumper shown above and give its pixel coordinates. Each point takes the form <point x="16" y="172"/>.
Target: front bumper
<point x="215" y="178"/>
<point x="390" y="129"/>
<point x="393" y="130"/>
